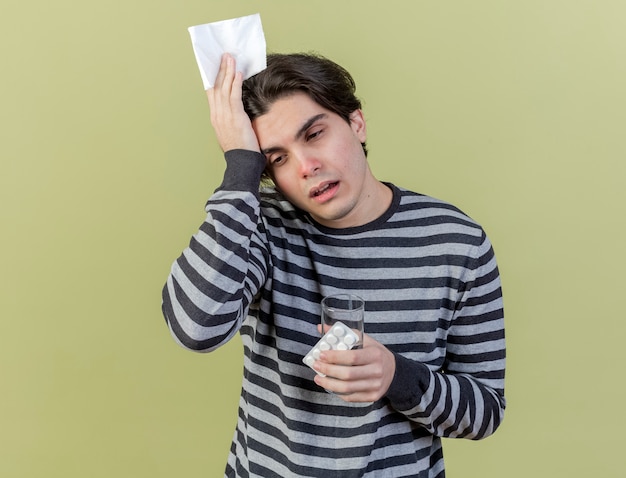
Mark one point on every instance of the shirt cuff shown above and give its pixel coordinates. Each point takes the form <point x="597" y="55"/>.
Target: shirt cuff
<point x="409" y="383"/>
<point x="243" y="171"/>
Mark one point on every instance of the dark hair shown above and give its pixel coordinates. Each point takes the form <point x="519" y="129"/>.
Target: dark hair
<point x="324" y="81"/>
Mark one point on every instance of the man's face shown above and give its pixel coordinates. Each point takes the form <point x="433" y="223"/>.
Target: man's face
<point x="317" y="161"/>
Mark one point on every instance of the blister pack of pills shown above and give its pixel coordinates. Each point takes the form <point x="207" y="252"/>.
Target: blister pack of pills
<point x="339" y="337"/>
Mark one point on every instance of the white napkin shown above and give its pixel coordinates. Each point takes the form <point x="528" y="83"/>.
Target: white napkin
<point x="241" y="37"/>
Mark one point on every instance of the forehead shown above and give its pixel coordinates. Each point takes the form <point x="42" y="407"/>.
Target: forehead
<point x="287" y="115"/>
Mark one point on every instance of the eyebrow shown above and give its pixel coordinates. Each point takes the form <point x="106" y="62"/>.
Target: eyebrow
<point x="305" y="126"/>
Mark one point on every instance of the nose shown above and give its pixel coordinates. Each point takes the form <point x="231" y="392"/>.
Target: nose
<point x="309" y="165"/>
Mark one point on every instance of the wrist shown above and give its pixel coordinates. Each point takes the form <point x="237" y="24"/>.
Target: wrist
<point x="243" y="170"/>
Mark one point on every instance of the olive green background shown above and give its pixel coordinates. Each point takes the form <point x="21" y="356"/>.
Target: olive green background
<point x="513" y="110"/>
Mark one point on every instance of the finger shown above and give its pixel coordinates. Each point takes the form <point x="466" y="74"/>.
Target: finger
<point x="222" y="71"/>
<point x="326" y="328"/>
<point x="221" y="96"/>
<point x="237" y="87"/>
<point x="340" y="371"/>
<point x="372" y="362"/>
<point x="229" y="71"/>
<point x="366" y="387"/>
<point x="354" y="357"/>
<point x="214" y="91"/>
<point x="353" y="391"/>
<point x="359" y="356"/>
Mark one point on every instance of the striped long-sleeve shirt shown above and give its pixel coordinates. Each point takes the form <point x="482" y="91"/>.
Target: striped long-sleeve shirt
<point x="259" y="267"/>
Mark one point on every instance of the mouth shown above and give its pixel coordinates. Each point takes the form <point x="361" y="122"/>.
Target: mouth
<point x="324" y="191"/>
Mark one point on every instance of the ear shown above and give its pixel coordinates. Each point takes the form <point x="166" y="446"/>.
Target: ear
<point x="357" y="123"/>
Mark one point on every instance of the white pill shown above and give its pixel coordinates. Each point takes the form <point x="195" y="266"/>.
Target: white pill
<point x="349" y="340"/>
<point x="316" y="353"/>
<point x="331" y="339"/>
<point x="324" y="346"/>
<point x="342" y="346"/>
<point x="309" y="361"/>
<point x="338" y="331"/>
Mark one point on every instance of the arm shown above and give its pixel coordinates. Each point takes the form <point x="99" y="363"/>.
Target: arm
<point x="466" y="398"/>
<point x="213" y="282"/>
<point x="463" y="400"/>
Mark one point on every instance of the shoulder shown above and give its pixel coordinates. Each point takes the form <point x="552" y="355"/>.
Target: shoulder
<point x="422" y="205"/>
<point x="273" y="200"/>
<point x="435" y="217"/>
<point x="278" y="211"/>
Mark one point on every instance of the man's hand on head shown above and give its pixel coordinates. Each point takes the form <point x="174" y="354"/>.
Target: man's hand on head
<point x="231" y="123"/>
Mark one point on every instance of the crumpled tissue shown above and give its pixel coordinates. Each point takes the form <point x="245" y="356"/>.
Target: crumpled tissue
<point x="242" y="37"/>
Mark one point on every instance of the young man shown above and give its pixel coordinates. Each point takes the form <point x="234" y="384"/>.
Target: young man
<point x="432" y="361"/>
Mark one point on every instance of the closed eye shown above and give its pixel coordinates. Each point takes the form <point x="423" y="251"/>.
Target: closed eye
<point x="313" y="135"/>
<point x="276" y="160"/>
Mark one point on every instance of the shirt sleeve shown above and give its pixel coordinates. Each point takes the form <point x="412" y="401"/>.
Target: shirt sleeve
<point x="465" y="399"/>
<point x="212" y="284"/>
